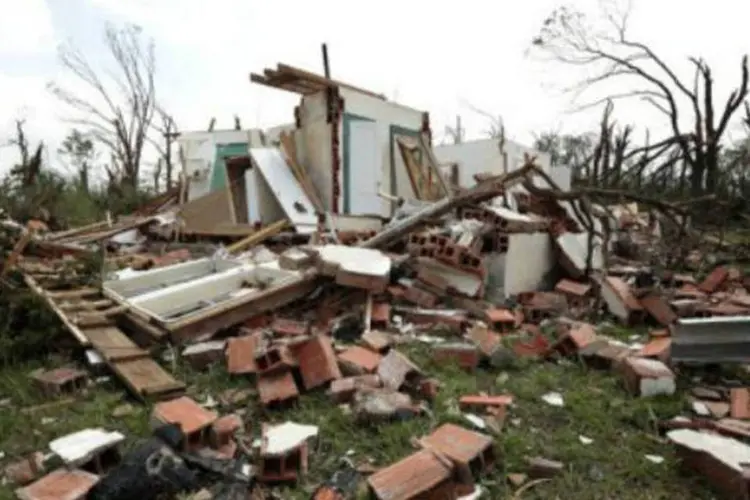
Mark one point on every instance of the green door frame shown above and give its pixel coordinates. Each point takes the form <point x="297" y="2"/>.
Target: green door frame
<point x="219" y="171"/>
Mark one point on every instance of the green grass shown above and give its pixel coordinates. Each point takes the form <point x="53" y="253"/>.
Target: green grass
<point x="596" y="406"/>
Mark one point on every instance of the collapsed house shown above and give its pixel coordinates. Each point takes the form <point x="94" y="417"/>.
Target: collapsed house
<point x="329" y="242"/>
<point x="462" y="161"/>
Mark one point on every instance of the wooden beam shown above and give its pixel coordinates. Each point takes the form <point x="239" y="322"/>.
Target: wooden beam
<point x="258" y="237"/>
<point x="307" y="75"/>
<point x="278" y="78"/>
<point x="289" y="150"/>
<point x="261" y="80"/>
<point x="71" y="326"/>
<point x="72" y="294"/>
<point x="18" y="249"/>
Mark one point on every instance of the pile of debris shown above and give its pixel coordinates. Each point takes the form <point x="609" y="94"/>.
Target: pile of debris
<point x="497" y="272"/>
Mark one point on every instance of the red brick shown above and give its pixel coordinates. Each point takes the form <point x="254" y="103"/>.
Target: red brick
<point x="465" y="356"/>
<point x="275" y="358"/>
<point x="344" y="389"/>
<point x="396" y="369"/>
<point x="471" y="452"/>
<point x="61" y="484"/>
<point x="277" y="387"/>
<point x="377" y="341"/>
<point x="26" y="470"/>
<point x="193" y="419"/>
<point x="429" y="388"/>
<point x="380" y="316"/>
<point x="659" y="309"/>
<point x="358" y="360"/>
<point x="317" y="362"/>
<point x="455" y="321"/>
<point x="290" y="328"/>
<point x="714" y="280"/>
<point x="222" y="432"/>
<point x="636" y="371"/>
<point x="658" y="348"/>
<point x="372" y="283"/>
<point x="423" y="475"/>
<point x="503" y="320"/>
<point x="573" y="288"/>
<point x="60" y="380"/>
<point x="420" y="297"/>
<point x="241" y="354"/>
<point x="739" y="400"/>
<point x="283" y="468"/>
<point x="487" y="340"/>
<point x="432" y="279"/>
<point x="575" y="339"/>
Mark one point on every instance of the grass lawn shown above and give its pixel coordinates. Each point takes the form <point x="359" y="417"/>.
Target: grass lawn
<point x="614" y="466"/>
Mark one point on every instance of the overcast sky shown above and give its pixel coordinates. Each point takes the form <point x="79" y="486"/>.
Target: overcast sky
<point x="433" y="56"/>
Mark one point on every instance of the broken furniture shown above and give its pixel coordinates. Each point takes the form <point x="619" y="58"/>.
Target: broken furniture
<point x="194" y="297"/>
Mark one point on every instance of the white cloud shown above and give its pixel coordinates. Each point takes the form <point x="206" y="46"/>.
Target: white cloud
<point x="26" y="27"/>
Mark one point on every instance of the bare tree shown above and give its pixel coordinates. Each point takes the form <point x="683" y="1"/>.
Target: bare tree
<point x="456" y="133"/>
<point x="608" y="54"/>
<point x="123" y="120"/>
<point x="496" y="129"/>
<point x="166" y="132"/>
<point x="27" y="170"/>
<point x="78" y="150"/>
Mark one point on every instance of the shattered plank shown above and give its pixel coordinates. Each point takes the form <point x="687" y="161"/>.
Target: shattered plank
<point x="131" y="364"/>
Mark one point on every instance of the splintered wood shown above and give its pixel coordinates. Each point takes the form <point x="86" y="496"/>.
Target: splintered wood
<point x="90" y="318"/>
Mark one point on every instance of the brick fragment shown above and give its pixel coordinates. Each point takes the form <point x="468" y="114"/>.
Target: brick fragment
<point x="277" y="388"/>
<point x="358" y="360"/>
<point x="317" y="362"/>
<point x="464" y="355"/>
<point x="647" y="377"/>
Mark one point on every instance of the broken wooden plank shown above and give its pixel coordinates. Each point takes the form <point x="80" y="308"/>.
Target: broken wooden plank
<point x="236" y="311"/>
<point x="131" y="364"/>
<point x="85" y="305"/>
<point x="72" y="327"/>
<point x="147" y="380"/>
<point x="71" y="294"/>
<point x="114" y="345"/>
<point x="256" y="238"/>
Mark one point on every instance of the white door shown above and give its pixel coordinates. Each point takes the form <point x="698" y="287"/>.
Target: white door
<point x="365" y="168"/>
